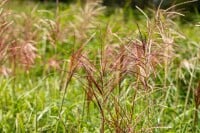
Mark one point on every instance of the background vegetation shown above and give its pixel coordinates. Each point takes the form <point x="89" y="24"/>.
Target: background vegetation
<point x="89" y="68"/>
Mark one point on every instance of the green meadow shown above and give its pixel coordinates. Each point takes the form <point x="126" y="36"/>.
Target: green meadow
<point x="88" y="68"/>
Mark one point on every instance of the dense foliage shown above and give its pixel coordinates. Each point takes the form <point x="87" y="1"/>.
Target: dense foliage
<point x="74" y="68"/>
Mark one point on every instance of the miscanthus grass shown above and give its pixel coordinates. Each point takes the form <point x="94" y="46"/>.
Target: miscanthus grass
<point x="75" y="69"/>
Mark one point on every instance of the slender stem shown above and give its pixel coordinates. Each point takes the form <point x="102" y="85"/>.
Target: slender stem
<point x="188" y="93"/>
<point x="57" y="8"/>
<point x="36" y="124"/>
<point x="63" y="99"/>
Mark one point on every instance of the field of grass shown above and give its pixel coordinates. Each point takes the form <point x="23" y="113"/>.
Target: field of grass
<point x="84" y="68"/>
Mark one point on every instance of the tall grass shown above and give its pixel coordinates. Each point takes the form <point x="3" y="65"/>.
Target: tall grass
<point x="78" y="70"/>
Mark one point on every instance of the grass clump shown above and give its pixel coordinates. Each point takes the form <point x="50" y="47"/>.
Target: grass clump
<point x="78" y="70"/>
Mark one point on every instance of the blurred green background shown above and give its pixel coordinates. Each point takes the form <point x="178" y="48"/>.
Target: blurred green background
<point x="141" y="3"/>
